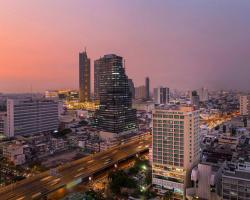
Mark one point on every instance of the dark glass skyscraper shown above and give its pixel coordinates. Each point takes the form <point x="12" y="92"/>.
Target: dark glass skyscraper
<point x="84" y="77"/>
<point x="97" y="65"/>
<point x="131" y="88"/>
<point x="115" y="113"/>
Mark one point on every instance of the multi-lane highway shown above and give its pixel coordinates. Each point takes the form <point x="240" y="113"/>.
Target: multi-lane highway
<point x="72" y="173"/>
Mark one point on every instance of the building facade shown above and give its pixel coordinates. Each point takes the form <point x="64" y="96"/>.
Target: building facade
<point x="161" y="95"/>
<point x="115" y="113"/>
<point x="84" y="77"/>
<point x="147" y="85"/>
<point x="3" y="123"/>
<point x="14" y="153"/>
<point x="236" y="181"/>
<point x="195" y="99"/>
<point x="203" y="94"/>
<point x="245" y="105"/>
<point x="97" y="65"/>
<point x="28" y="116"/>
<point x="175" y="147"/>
<point x="140" y="92"/>
<point x="131" y="88"/>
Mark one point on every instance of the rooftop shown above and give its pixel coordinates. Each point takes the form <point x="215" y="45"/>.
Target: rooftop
<point x="181" y="108"/>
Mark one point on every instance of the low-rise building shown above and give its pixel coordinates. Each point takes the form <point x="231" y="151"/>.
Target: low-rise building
<point x="14" y="153"/>
<point x="58" y="144"/>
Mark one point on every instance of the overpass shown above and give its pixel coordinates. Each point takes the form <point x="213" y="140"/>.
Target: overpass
<point x="74" y="172"/>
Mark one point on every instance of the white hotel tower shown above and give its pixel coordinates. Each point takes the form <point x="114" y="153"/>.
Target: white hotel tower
<point x="28" y="116"/>
<point x="175" y="147"/>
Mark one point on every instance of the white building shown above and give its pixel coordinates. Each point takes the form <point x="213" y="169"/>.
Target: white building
<point x="175" y="147"/>
<point x="144" y="106"/>
<point x="161" y="95"/>
<point x="206" y="178"/>
<point x="14" y="153"/>
<point x="245" y="105"/>
<point x="27" y="116"/>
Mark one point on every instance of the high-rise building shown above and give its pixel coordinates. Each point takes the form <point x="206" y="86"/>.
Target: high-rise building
<point x="195" y="99"/>
<point x="84" y="77"/>
<point x="161" y="95"/>
<point x="245" y="105"/>
<point x="97" y="65"/>
<point x="203" y="94"/>
<point x="131" y="88"/>
<point x="3" y="123"/>
<point x="175" y="147"/>
<point x="28" y="116"/>
<point x="140" y="92"/>
<point x="115" y="114"/>
<point x="147" y="84"/>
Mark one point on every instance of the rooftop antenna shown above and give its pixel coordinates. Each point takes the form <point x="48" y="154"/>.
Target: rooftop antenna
<point x="85" y="49"/>
<point x="124" y="64"/>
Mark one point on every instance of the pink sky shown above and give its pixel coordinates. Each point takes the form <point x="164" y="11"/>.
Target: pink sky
<point x="179" y="44"/>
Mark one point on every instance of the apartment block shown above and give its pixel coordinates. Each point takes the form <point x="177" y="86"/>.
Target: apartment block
<point x="28" y="116"/>
<point x="175" y="147"/>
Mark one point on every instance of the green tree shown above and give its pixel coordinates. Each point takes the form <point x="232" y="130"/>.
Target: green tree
<point x="168" y="195"/>
<point x="93" y="195"/>
<point x="119" y="179"/>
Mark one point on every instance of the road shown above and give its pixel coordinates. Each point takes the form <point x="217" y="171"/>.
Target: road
<point x="218" y="119"/>
<point x="69" y="174"/>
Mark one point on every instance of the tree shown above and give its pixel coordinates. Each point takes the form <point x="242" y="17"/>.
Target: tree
<point x="63" y="133"/>
<point x="93" y="195"/>
<point x="168" y="195"/>
<point x="120" y="179"/>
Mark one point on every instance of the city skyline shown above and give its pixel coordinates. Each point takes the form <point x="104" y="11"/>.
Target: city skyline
<point x="169" y="41"/>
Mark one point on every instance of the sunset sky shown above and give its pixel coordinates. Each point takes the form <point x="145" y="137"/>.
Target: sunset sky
<point x="182" y="44"/>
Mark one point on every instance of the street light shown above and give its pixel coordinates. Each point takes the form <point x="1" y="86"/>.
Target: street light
<point x="144" y="167"/>
<point x="143" y="188"/>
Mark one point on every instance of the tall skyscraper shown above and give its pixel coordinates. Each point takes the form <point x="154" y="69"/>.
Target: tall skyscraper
<point x="161" y="95"/>
<point x="28" y="116"/>
<point x="115" y="113"/>
<point x="175" y="147"/>
<point x="147" y="84"/>
<point x="245" y="105"/>
<point x="131" y="88"/>
<point x="97" y="65"/>
<point x="84" y="77"/>
<point x="195" y="99"/>
<point x="203" y="94"/>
